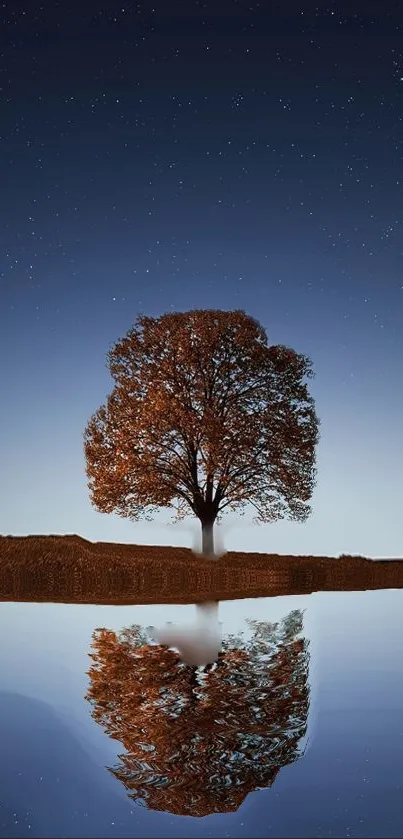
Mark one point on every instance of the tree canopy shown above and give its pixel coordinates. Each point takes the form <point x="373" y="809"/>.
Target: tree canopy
<point x="204" y="416"/>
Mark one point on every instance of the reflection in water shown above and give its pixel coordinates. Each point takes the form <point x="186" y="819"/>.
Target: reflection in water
<point x="199" y="643"/>
<point x="196" y="746"/>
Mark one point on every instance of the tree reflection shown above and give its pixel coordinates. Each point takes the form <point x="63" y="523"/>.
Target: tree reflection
<point x="198" y="742"/>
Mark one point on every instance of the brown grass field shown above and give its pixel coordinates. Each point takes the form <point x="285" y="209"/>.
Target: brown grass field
<point x="69" y="569"/>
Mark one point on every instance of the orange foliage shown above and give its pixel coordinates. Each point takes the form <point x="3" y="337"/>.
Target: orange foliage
<point x="199" y="742"/>
<point x="204" y="416"/>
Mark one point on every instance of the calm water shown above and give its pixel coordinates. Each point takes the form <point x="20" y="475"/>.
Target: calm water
<point x="298" y="732"/>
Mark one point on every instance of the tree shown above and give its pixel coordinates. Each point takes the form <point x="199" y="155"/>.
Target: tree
<point x="204" y="416"/>
<point x="199" y="748"/>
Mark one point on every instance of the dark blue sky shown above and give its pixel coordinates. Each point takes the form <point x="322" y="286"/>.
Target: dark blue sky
<point x="163" y="156"/>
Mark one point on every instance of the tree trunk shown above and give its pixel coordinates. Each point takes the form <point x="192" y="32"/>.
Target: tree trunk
<point x="207" y="539"/>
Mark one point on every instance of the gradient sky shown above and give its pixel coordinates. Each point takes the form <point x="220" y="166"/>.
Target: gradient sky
<point x="162" y="156"/>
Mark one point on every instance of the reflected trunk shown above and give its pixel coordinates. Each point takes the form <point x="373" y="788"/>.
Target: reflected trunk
<point x="194" y="681"/>
<point x="207" y="617"/>
<point x="208" y="612"/>
<point x="194" y="684"/>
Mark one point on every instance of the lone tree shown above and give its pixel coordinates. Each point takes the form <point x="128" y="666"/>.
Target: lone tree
<point x="204" y="416"/>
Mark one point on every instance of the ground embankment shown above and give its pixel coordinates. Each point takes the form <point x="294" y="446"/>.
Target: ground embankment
<point x="69" y="569"/>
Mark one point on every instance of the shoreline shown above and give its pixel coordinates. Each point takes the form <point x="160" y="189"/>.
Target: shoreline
<point x="70" y="569"/>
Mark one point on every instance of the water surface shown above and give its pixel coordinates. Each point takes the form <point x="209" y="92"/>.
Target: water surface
<point x="298" y="732"/>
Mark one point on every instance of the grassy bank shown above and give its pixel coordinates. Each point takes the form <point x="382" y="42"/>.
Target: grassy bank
<point x="69" y="569"/>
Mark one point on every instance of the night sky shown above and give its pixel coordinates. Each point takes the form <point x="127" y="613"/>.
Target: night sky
<point x="163" y="156"/>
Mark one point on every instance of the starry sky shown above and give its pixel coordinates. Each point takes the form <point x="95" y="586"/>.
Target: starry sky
<point x="162" y="156"/>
